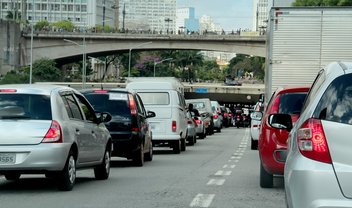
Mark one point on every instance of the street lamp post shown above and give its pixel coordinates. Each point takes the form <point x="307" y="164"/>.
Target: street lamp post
<point x="158" y="62"/>
<point x="129" y="56"/>
<point x="83" y="59"/>
<point x="31" y="64"/>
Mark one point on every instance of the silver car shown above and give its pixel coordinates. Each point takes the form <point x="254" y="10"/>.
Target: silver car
<point x="318" y="170"/>
<point x="51" y="130"/>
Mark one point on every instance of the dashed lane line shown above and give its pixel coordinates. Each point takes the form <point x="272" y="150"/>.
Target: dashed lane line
<point x="202" y="200"/>
<point x="216" y="182"/>
<point x="223" y="173"/>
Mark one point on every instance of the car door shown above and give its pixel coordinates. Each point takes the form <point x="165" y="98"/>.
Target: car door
<point x="95" y="138"/>
<point x="182" y="114"/>
<point x="76" y="124"/>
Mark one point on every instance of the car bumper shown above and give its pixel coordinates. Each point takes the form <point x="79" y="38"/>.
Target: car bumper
<point x="46" y="157"/>
<point x="312" y="184"/>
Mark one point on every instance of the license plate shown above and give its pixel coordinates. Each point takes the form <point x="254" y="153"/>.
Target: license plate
<point x="7" y="158"/>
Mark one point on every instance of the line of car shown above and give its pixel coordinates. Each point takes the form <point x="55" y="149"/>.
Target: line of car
<point x="56" y="130"/>
<point x="304" y="135"/>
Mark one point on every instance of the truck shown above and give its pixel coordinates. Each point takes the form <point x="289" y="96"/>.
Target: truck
<point x="301" y="40"/>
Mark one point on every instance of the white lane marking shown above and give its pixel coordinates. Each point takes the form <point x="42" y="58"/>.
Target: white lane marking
<point x="229" y="166"/>
<point x="202" y="200"/>
<point x="217" y="182"/>
<point x="236" y="161"/>
<point x="236" y="157"/>
<point x="223" y="173"/>
<point x="229" y="161"/>
<point x="237" y="153"/>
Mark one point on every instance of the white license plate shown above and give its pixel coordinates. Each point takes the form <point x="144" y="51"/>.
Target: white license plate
<point x="7" y="158"/>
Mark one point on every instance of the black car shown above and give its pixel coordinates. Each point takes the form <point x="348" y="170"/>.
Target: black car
<point x="129" y="128"/>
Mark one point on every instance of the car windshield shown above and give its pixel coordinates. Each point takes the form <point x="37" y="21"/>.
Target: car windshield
<point x="25" y="106"/>
<point x="114" y="103"/>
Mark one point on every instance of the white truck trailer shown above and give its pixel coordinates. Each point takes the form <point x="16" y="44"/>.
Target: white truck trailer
<point x="301" y="40"/>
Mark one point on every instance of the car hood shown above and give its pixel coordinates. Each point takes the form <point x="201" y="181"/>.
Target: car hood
<point x="23" y="132"/>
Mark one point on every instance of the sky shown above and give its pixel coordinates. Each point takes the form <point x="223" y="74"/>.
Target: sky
<point x="230" y="14"/>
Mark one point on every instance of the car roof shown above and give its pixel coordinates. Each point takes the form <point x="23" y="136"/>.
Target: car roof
<point x="107" y="90"/>
<point x="45" y="89"/>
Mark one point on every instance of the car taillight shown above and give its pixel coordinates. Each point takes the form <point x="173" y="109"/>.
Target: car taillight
<point x="230" y="114"/>
<point x="199" y="121"/>
<point x="133" y="106"/>
<point x="225" y="114"/>
<point x="312" y="141"/>
<point x="174" y="126"/>
<point x="8" y="90"/>
<point x="215" y="116"/>
<point x="135" y="129"/>
<point x="54" y="134"/>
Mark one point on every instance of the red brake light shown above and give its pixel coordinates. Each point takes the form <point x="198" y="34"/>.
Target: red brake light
<point x="133" y="106"/>
<point x="199" y="121"/>
<point x="8" y="90"/>
<point x="174" y="126"/>
<point x="225" y="114"/>
<point x="54" y="134"/>
<point x="100" y="91"/>
<point x="215" y="116"/>
<point x="230" y="114"/>
<point x="312" y="141"/>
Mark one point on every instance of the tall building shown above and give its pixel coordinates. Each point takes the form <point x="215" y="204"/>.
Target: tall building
<point x="186" y="20"/>
<point x="154" y="15"/>
<point x="206" y="24"/>
<point x="81" y="12"/>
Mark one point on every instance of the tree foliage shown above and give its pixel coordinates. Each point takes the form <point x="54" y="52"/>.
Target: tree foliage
<point x="64" y="24"/>
<point x="41" y="24"/>
<point x="45" y="70"/>
<point x="322" y="3"/>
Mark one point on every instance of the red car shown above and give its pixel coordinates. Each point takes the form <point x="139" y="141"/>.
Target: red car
<point x="272" y="139"/>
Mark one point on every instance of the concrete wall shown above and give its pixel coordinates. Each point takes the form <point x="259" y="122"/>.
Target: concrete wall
<point x="10" y="36"/>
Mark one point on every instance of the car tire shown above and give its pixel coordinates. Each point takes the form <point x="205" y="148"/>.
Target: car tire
<point x="183" y="144"/>
<point x="138" y="158"/>
<point x="266" y="179"/>
<point x="67" y="177"/>
<point x="12" y="176"/>
<point x="254" y="144"/>
<point x="195" y="139"/>
<point x="219" y="130"/>
<point x="177" y="147"/>
<point x="103" y="170"/>
<point x="191" y="140"/>
<point x="149" y="155"/>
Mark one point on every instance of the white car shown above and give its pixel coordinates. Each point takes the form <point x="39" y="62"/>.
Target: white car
<point x="255" y="124"/>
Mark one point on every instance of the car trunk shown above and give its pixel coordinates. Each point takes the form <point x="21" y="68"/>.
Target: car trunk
<point x="28" y="132"/>
<point x="338" y="137"/>
<point x="161" y="121"/>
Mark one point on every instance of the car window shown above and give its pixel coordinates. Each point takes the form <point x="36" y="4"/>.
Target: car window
<point x="115" y="103"/>
<point x="72" y="107"/>
<point x="319" y="80"/>
<point x="336" y="102"/>
<point x="140" y="105"/>
<point x="291" y="103"/>
<point x="155" y="98"/>
<point x="27" y="106"/>
<point x="87" y="109"/>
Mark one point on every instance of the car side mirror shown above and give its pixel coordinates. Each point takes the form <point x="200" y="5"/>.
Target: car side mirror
<point x="104" y="117"/>
<point x="257" y="116"/>
<point x="280" y="121"/>
<point x="151" y="114"/>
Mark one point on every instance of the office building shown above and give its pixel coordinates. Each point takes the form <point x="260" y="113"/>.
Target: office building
<point x="144" y="15"/>
<point x="186" y="20"/>
<point x="81" y="12"/>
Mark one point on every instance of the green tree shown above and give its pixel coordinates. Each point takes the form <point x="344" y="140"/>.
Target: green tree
<point x="45" y="70"/>
<point x="41" y="24"/>
<point x="20" y="76"/>
<point x="322" y="3"/>
<point x="64" y="24"/>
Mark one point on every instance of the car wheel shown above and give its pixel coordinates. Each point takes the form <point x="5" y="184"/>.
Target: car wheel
<point x="195" y="139"/>
<point x="67" y="177"/>
<point x="183" y="144"/>
<point x="103" y="170"/>
<point x="191" y="140"/>
<point x="149" y="155"/>
<point x="254" y="144"/>
<point x="219" y="129"/>
<point x="177" y="147"/>
<point x="266" y="179"/>
<point x="12" y="176"/>
<point x="138" y="158"/>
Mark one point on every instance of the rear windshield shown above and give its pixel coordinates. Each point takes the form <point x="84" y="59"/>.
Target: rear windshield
<point x="114" y="103"/>
<point x="291" y="103"/>
<point x="199" y="105"/>
<point x="25" y="106"/>
<point x="155" y="98"/>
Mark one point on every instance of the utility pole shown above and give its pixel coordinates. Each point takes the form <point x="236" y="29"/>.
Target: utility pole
<point x="104" y="13"/>
<point x="123" y="17"/>
<point x="168" y="20"/>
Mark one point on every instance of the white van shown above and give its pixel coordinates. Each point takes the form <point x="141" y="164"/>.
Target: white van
<point x="164" y="96"/>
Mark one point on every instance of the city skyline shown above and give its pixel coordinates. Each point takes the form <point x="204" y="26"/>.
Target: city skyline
<point x="230" y="14"/>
